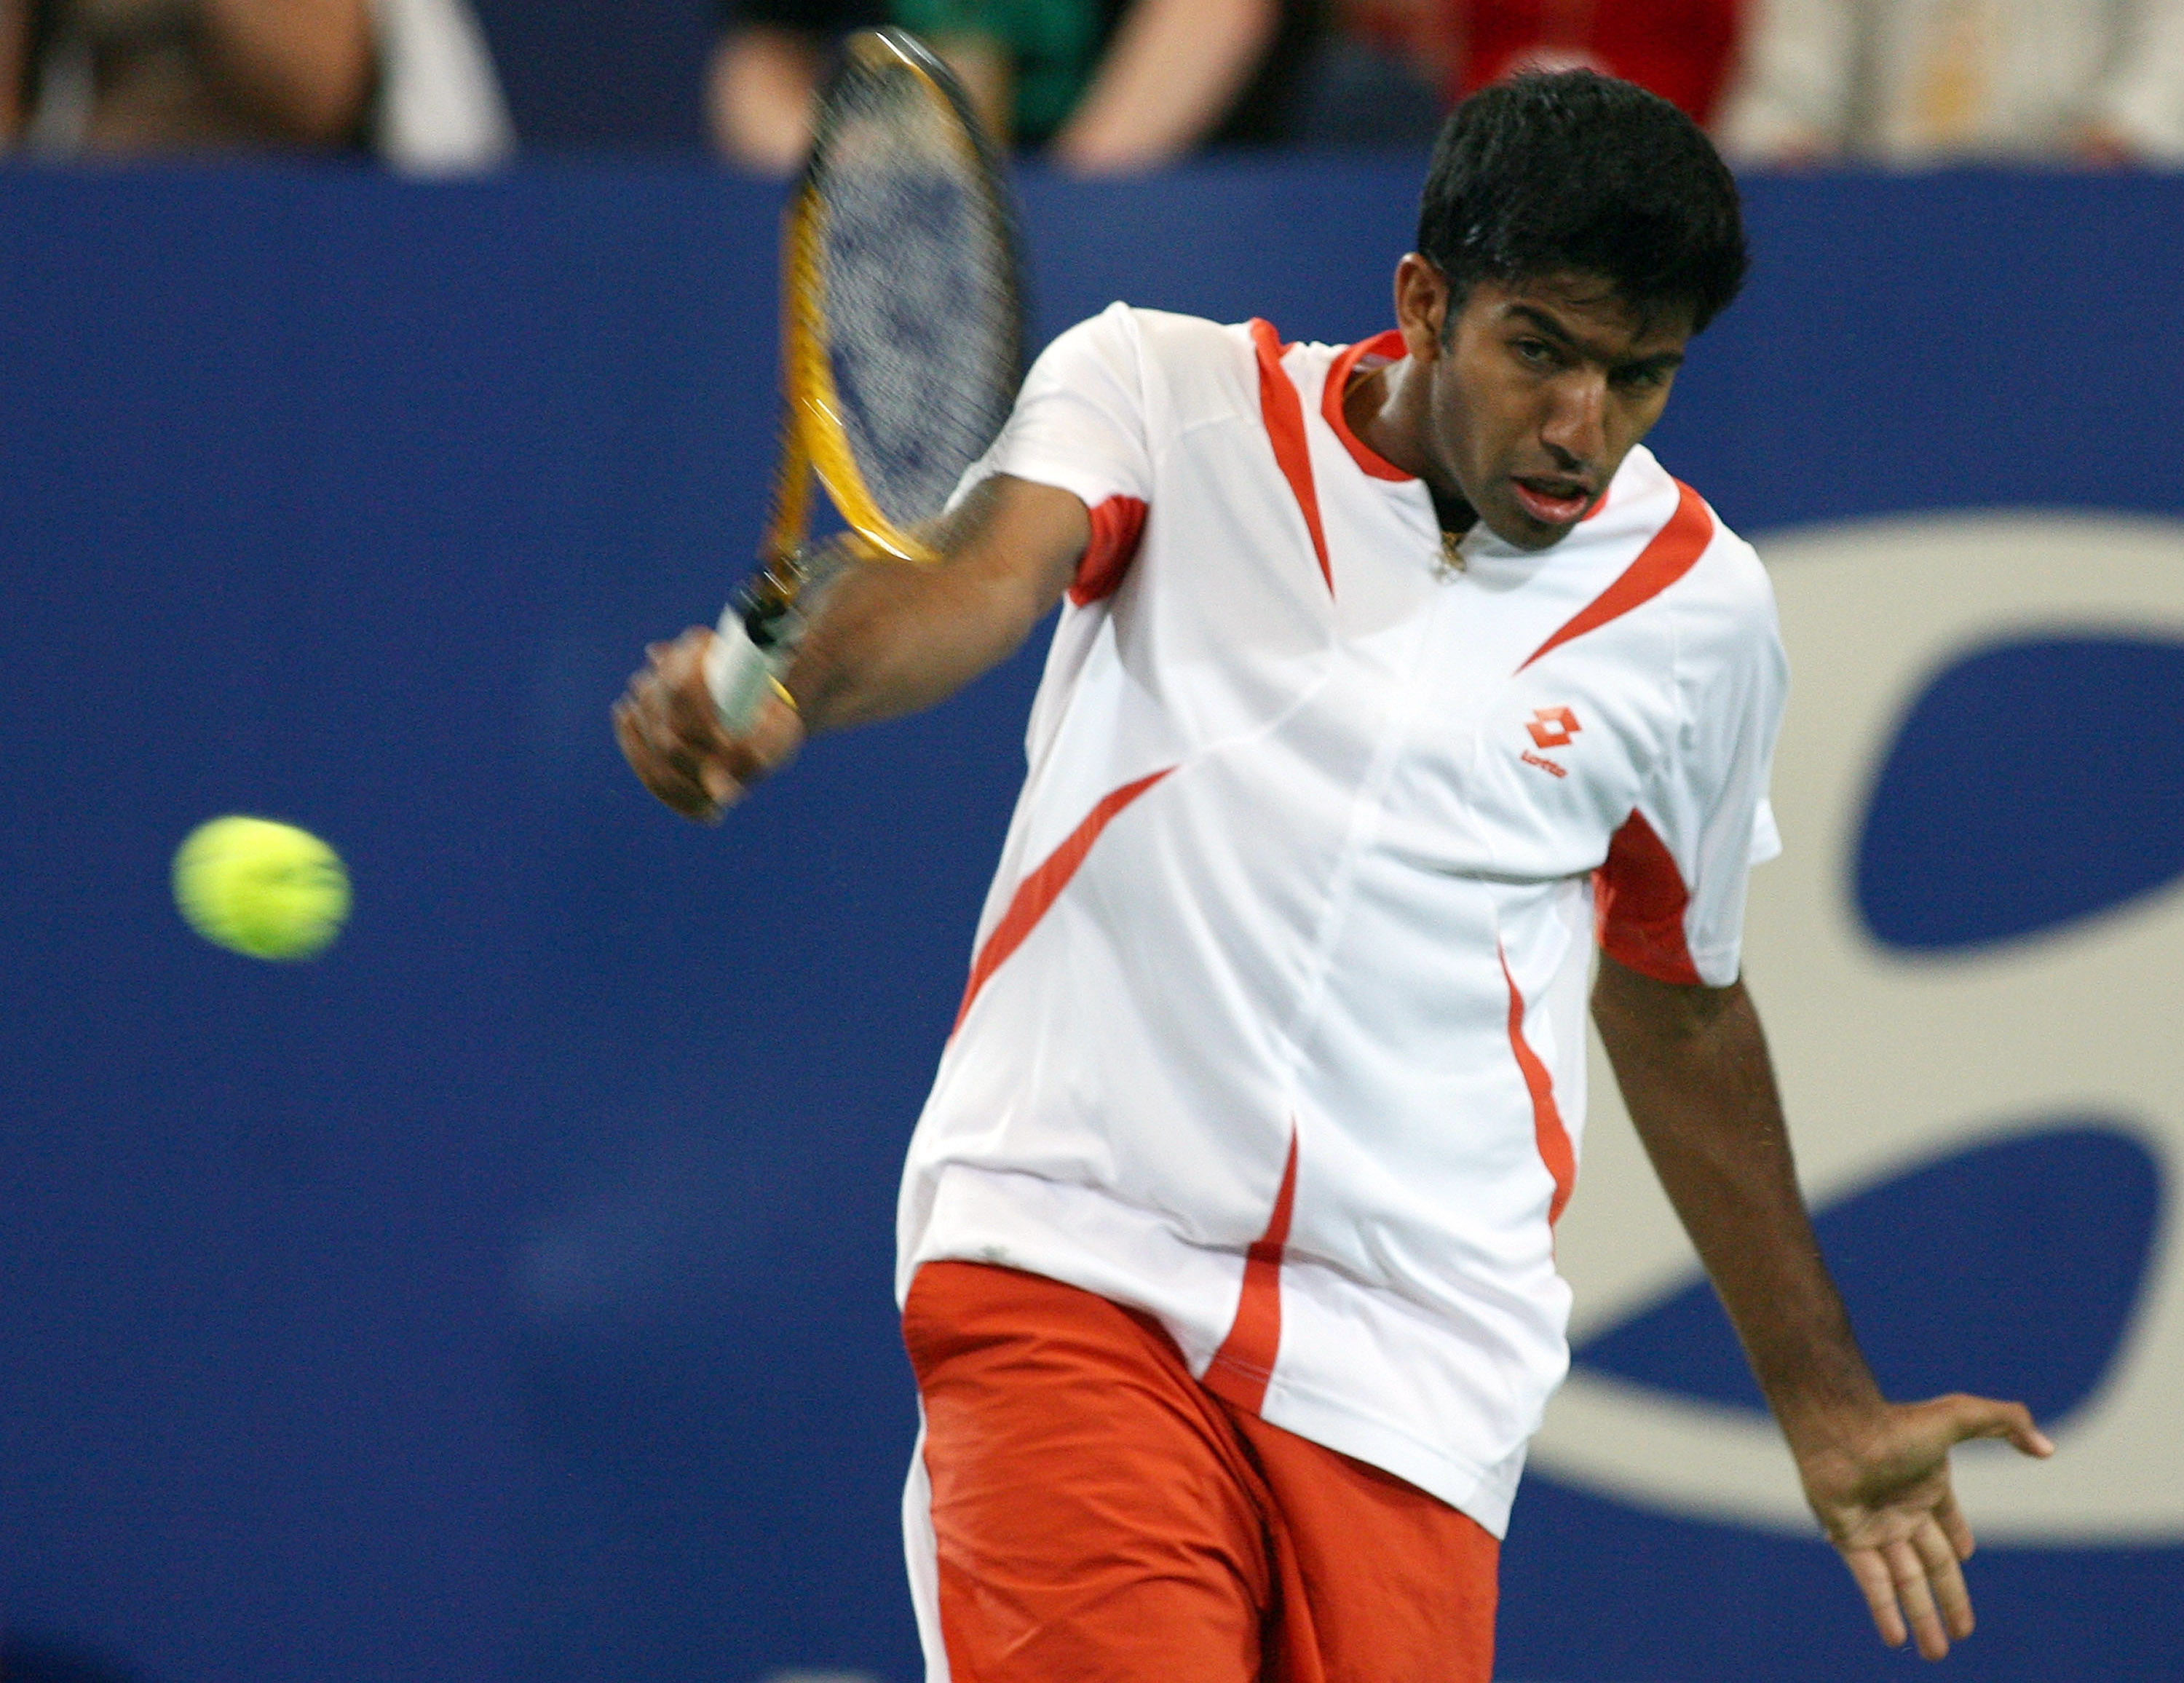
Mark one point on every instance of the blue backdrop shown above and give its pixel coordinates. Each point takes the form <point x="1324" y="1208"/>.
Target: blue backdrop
<point x="506" y="1294"/>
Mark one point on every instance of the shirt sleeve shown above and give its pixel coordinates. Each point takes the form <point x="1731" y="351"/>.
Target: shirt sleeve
<point x="1079" y="425"/>
<point x="1669" y="900"/>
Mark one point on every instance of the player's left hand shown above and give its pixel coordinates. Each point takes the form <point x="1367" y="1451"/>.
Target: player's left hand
<point x="1883" y="1496"/>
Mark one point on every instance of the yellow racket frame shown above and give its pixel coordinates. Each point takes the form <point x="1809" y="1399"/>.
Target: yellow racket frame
<point x="816" y="438"/>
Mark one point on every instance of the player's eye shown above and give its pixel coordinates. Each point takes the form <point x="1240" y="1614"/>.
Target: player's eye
<point x="1536" y="352"/>
<point x="1642" y="378"/>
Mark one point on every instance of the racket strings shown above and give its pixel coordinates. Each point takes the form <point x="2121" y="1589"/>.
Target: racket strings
<point x="920" y="309"/>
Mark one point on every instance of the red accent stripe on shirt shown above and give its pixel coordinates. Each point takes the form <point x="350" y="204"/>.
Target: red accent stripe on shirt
<point x="1638" y="901"/>
<point x="1554" y="1140"/>
<point x="1116" y="525"/>
<point x="1284" y="415"/>
<point x="1389" y="345"/>
<point x="1674" y="551"/>
<point x="1245" y="1363"/>
<point x="1039" y="891"/>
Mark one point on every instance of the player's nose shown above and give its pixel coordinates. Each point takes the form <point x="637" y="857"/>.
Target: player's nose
<point x="1575" y="429"/>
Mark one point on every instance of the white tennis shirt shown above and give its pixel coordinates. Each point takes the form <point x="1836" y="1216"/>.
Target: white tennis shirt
<point x="1275" y="1025"/>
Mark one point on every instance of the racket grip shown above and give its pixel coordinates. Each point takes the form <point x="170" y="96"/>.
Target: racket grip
<point x="738" y="672"/>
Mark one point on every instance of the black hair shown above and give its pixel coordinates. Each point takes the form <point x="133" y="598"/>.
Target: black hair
<point x="1578" y="172"/>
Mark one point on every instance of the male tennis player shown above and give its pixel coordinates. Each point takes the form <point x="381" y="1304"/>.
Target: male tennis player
<point x="1384" y="673"/>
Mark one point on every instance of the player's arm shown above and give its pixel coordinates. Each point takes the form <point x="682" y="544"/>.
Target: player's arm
<point x="885" y="640"/>
<point x="1693" y="1067"/>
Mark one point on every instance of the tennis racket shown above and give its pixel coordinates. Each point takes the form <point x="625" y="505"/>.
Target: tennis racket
<point x="901" y="342"/>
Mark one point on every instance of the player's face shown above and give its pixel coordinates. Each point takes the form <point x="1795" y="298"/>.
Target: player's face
<point x="1534" y="394"/>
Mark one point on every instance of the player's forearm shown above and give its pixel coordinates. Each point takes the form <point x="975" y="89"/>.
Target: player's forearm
<point x="1693" y="1068"/>
<point x="890" y="639"/>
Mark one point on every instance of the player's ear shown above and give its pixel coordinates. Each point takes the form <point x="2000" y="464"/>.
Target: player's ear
<point x="1421" y="306"/>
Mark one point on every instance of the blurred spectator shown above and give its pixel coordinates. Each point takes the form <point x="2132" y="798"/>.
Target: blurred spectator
<point x="1929" y="81"/>
<point x="1680" y="49"/>
<point x="410" y="80"/>
<point x="771" y="55"/>
<point x="1102" y="86"/>
<point x="1396" y="66"/>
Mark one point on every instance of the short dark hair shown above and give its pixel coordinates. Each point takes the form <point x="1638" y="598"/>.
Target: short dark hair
<point x="1580" y="172"/>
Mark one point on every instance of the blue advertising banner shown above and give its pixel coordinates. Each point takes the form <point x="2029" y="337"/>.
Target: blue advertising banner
<point x="505" y="1295"/>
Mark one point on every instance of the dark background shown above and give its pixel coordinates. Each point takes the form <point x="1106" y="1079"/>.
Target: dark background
<point x="505" y="1296"/>
<point x="601" y="74"/>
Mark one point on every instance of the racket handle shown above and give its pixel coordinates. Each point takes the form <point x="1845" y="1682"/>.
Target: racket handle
<point x="739" y="673"/>
<point x="760" y="629"/>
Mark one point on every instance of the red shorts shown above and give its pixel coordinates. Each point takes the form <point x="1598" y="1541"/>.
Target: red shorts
<point x="1097" y="1516"/>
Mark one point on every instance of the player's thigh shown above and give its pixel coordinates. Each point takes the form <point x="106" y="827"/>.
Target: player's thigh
<point x="1384" y="1583"/>
<point x="1093" y="1516"/>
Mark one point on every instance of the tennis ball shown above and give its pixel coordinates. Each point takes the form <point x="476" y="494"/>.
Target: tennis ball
<point x="256" y="887"/>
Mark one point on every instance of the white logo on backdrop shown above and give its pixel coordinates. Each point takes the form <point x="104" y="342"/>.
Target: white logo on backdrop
<point x="1889" y="1060"/>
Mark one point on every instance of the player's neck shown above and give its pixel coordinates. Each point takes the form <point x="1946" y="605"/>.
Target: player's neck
<point x="1385" y="408"/>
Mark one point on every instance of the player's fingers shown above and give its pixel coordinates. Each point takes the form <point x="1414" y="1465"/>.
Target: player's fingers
<point x="675" y="712"/>
<point x="730" y="764"/>
<point x="638" y="747"/>
<point x="660" y="780"/>
<point x="1879" y="1588"/>
<point x="680" y="666"/>
<point x="1954" y="1526"/>
<point x="721" y="763"/>
<point x="774" y="736"/>
<point x="1982" y="1416"/>
<point x="640" y="713"/>
<point x="672" y="784"/>
<point x="1945" y="1578"/>
<point x="689" y="742"/>
<point x="1916" y="1597"/>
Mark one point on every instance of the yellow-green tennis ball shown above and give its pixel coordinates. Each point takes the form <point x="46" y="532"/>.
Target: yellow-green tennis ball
<point x="256" y="887"/>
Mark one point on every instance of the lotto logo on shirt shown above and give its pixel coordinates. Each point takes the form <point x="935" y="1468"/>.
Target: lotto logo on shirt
<point x="1553" y="727"/>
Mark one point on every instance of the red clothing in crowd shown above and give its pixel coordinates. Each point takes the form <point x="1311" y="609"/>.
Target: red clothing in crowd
<point x="1681" y="49"/>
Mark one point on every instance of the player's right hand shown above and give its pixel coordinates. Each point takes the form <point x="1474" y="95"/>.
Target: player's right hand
<point x="672" y="736"/>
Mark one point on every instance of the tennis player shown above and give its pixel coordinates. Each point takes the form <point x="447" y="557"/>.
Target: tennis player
<point x="1387" y="675"/>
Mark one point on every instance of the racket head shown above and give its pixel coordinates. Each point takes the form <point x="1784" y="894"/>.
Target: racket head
<point x="902" y="298"/>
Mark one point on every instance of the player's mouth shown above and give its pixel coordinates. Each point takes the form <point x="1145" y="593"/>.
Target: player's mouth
<point x="1552" y="502"/>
